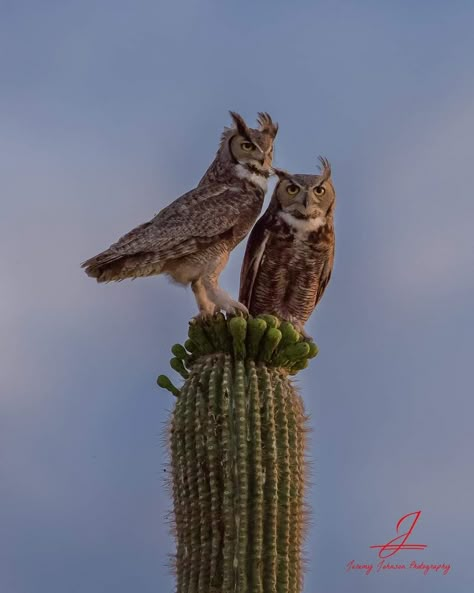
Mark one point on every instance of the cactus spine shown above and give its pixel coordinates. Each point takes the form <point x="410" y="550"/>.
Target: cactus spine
<point x="237" y="446"/>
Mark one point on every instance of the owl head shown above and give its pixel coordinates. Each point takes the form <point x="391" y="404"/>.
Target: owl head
<point x="305" y="196"/>
<point x="250" y="147"/>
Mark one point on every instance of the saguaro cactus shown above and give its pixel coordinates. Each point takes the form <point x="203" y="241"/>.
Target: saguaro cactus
<point x="237" y="445"/>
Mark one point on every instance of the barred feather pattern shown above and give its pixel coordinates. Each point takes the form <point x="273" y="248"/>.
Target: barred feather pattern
<point x="190" y="239"/>
<point x="290" y="252"/>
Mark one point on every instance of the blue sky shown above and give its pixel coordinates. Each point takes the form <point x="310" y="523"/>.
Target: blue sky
<point x="110" y="110"/>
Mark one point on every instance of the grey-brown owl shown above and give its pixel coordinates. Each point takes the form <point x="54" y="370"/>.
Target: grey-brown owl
<point x="290" y="251"/>
<point x="191" y="239"/>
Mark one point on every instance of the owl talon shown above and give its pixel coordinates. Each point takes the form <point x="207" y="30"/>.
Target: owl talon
<point x="231" y="307"/>
<point x="202" y="316"/>
<point x="224" y="302"/>
<point x="240" y="308"/>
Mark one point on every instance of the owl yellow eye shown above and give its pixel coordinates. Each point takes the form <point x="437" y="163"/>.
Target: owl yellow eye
<point x="319" y="190"/>
<point x="246" y="146"/>
<point x="292" y="189"/>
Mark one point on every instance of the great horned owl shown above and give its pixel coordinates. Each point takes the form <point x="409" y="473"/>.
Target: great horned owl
<point x="290" y="251"/>
<point x="191" y="239"/>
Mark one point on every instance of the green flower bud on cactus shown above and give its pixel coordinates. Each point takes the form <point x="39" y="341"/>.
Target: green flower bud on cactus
<point x="269" y="344"/>
<point x="270" y="320"/>
<point x="179" y="352"/>
<point x="238" y="331"/>
<point x="197" y="334"/>
<point x="289" y="334"/>
<point x="190" y="346"/>
<point x="177" y="365"/>
<point x="299" y="366"/>
<point x="256" y="328"/>
<point x="165" y="383"/>
<point x="313" y="350"/>
<point x="291" y="353"/>
<point x="221" y="333"/>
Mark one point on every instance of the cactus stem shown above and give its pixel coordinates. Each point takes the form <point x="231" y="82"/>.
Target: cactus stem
<point x="237" y="443"/>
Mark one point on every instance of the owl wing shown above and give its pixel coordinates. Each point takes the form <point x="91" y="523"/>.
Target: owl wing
<point x="254" y="254"/>
<point x="195" y="219"/>
<point x="325" y="275"/>
<point x="202" y="214"/>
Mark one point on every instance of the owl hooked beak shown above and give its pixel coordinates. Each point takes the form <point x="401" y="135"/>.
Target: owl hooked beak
<point x="263" y="161"/>
<point x="312" y="206"/>
<point x="267" y="161"/>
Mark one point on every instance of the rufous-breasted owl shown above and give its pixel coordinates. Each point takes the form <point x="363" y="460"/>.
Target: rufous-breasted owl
<point x="290" y="251"/>
<point x="191" y="239"/>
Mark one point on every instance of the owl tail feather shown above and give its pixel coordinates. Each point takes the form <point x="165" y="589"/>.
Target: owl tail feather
<point x="113" y="267"/>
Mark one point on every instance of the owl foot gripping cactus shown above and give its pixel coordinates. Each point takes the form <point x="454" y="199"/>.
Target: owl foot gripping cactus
<point x="237" y="444"/>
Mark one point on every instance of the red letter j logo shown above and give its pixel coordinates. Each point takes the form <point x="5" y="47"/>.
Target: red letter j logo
<point x="399" y="543"/>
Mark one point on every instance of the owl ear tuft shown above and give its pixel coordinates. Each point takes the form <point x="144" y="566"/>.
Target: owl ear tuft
<point x="240" y="124"/>
<point x="281" y="173"/>
<point x="266" y="124"/>
<point x="325" y="168"/>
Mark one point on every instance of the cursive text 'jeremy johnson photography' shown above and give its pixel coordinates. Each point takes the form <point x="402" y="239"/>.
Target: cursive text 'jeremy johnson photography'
<point x="394" y="546"/>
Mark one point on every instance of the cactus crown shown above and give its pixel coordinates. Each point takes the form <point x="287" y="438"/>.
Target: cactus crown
<point x="263" y="339"/>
